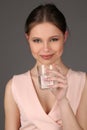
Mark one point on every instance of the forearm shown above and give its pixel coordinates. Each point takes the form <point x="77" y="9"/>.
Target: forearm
<point x="69" y="120"/>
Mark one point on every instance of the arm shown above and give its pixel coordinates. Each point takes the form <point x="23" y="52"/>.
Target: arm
<point x="12" y="117"/>
<point x="70" y="121"/>
<point x="82" y="110"/>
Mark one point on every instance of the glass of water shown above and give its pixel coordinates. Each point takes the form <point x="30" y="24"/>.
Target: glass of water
<point x="43" y="74"/>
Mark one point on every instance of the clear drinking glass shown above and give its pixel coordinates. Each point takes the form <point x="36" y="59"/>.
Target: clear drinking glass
<point x="43" y="74"/>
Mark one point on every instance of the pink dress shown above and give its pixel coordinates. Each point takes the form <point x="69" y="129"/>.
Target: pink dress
<point x="32" y="115"/>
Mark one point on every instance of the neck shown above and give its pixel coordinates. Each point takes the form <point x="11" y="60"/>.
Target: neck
<point x="63" y="67"/>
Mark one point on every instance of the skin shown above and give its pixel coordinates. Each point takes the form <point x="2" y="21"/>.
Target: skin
<point x="47" y="43"/>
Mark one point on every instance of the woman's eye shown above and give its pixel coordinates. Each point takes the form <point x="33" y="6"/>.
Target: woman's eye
<point x="54" y="39"/>
<point x="37" y="40"/>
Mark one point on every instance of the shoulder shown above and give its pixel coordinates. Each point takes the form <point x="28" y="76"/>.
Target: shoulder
<point x="82" y="109"/>
<point x="21" y="76"/>
<point x="77" y="73"/>
<point x="77" y="77"/>
<point x="85" y="89"/>
<point x="10" y="108"/>
<point x="84" y="94"/>
<point x="15" y="83"/>
<point x="8" y="87"/>
<point x="18" y="77"/>
<point x="8" y="97"/>
<point x="20" y="81"/>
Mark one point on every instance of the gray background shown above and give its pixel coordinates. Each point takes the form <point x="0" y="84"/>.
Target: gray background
<point x="15" y="56"/>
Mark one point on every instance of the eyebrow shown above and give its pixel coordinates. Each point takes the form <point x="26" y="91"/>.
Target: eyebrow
<point x="36" y="37"/>
<point x="54" y="36"/>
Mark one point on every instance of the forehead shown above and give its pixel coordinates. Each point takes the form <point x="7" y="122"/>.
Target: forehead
<point x="45" y="29"/>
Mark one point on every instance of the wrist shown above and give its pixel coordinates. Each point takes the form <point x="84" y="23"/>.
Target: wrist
<point x="64" y="101"/>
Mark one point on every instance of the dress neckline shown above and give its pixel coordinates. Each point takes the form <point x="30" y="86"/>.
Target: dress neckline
<point x="37" y="99"/>
<point x="55" y="103"/>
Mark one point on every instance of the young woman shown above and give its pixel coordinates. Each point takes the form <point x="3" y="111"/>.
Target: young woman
<point x="27" y="106"/>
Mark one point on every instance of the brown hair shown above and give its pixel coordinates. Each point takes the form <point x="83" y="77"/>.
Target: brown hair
<point x="46" y="13"/>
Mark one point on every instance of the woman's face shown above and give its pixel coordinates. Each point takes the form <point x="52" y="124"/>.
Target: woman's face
<point x="46" y="43"/>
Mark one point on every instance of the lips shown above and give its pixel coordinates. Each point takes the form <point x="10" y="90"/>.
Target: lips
<point x="46" y="57"/>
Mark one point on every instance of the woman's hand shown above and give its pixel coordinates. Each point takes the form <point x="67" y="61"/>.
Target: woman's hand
<point x="60" y="86"/>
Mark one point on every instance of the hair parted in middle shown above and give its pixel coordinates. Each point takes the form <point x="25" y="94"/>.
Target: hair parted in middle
<point x="46" y="13"/>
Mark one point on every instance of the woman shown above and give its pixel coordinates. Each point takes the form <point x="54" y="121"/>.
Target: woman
<point x="27" y="106"/>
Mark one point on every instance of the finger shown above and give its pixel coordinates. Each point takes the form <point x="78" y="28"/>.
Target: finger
<point x="58" y="68"/>
<point x="57" y="79"/>
<point x="59" y="86"/>
<point x="56" y="74"/>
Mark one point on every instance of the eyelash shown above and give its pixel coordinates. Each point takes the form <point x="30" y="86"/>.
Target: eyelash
<point x="54" y="39"/>
<point x="37" y="40"/>
<point x="51" y="40"/>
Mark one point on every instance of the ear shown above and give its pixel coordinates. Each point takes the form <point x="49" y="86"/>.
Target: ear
<point x="65" y="36"/>
<point x="27" y="36"/>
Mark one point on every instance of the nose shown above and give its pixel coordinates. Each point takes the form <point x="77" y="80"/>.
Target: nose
<point x="46" y="46"/>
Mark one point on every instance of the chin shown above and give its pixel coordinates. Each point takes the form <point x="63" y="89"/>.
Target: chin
<point x="47" y="62"/>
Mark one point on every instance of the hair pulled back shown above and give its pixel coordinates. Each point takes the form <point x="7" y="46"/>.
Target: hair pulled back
<point x="46" y="13"/>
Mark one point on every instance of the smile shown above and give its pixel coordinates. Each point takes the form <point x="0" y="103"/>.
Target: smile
<point x="47" y="57"/>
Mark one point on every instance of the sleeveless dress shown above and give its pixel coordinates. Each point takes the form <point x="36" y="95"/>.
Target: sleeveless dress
<point x="32" y="115"/>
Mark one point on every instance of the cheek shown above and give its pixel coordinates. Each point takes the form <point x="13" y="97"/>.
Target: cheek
<point x="34" y="49"/>
<point x="60" y="50"/>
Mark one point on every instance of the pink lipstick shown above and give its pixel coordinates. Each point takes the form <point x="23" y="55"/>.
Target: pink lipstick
<point x="47" y="57"/>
